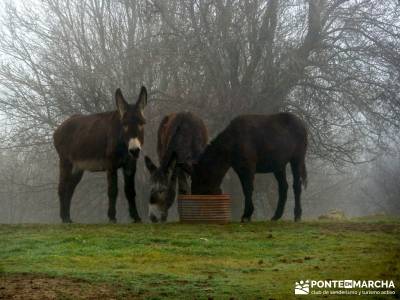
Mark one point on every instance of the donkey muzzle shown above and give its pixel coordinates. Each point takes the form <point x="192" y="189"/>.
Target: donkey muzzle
<point x="156" y="214"/>
<point x="153" y="218"/>
<point x="134" y="147"/>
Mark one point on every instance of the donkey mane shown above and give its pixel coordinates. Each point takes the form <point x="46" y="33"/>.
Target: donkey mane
<point x="166" y="155"/>
<point x="176" y="143"/>
<point x="216" y="159"/>
<point x="217" y="148"/>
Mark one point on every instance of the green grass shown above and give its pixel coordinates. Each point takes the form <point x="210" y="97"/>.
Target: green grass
<point x="257" y="260"/>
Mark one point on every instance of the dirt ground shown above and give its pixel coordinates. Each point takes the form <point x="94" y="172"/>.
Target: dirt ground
<point x="361" y="227"/>
<point x="35" y="287"/>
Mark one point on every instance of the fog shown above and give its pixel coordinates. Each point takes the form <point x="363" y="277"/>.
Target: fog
<point x="335" y="64"/>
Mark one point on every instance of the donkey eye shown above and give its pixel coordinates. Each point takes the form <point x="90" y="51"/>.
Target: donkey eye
<point x="125" y="127"/>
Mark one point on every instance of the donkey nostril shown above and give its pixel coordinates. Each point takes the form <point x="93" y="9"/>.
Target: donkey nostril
<point x="153" y="218"/>
<point x="134" y="152"/>
<point x="153" y="199"/>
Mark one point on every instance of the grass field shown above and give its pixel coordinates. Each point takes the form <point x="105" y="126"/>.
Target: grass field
<point x="251" y="261"/>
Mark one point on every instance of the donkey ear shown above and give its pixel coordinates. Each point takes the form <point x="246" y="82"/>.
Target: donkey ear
<point x="171" y="168"/>
<point x="169" y="165"/>
<point x="150" y="165"/>
<point x="172" y="163"/>
<point x="142" y="100"/>
<point x="122" y="105"/>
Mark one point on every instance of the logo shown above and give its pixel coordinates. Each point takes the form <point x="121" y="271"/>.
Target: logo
<point x="302" y="287"/>
<point x="344" y="287"/>
<point x="348" y="284"/>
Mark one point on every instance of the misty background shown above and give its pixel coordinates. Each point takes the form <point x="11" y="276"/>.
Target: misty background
<point x="336" y="64"/>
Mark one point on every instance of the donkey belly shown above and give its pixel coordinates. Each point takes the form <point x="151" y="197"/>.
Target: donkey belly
<point x="264" y="168"/>
<point x="91" y="165"/>
<point x="271" y="163"/>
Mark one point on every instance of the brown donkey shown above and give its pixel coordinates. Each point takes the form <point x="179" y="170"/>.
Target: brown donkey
<point x="181" y="139"/>
<point x="101" y="142"/>
<point x="256" y="144"/>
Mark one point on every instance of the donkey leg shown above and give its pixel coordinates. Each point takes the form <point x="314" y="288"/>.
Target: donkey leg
<point x="182" y="182"/>
<point x="76" y="177"/>
<point x="68" y="181"/>
<point x="297" y="190"/>
<point x="130" y="193"/>
<point x="247" y="180"/>
<point x="112" y="180"/>
<point x="65" y="173"/>
<point x="283" y="188"/>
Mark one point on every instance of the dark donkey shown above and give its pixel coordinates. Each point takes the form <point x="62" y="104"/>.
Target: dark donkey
<point x="101" y="142"/>
<point x="181" y="139"/>
<point x="256" y="144"/>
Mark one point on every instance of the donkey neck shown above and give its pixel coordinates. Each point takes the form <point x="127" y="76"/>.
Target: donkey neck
<point x="214" y="163"/>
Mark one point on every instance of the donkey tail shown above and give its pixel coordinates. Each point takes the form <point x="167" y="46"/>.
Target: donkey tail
<point x="303" y="174"/>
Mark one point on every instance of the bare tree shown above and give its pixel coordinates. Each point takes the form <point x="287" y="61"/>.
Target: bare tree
<point x="334" y="63"/>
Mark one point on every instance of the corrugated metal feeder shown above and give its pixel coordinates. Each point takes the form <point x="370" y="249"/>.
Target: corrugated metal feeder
<point x="204" y="208"/>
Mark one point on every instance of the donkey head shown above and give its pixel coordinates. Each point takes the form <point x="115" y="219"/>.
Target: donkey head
<point x="203" y="182"/>
<point x="132" y="121"/>
<point x="163" y="185"/>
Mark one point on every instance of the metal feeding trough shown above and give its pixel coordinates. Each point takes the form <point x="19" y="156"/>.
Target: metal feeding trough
<point x="204" y="208"/>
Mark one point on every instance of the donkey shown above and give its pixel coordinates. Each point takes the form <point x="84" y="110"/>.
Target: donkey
<point x="181" y="139"/>
<point x="256" y="144"/>
<point x="101" y="142"/>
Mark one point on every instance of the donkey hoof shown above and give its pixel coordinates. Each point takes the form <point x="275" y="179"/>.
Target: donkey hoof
<point x="246" y="219"/>
<point x="297" y="219"/>
<point x="137" y="220"/>
<point x="67" y="221"/>
<point x="274" y="218"/>
<point x="112" y="221"/>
